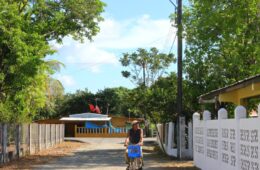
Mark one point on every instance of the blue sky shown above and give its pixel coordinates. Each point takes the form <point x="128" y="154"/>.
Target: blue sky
<point x="128" y="25"/>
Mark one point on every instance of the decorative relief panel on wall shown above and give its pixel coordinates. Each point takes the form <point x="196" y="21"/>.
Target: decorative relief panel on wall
<point x="249" y="150"/>
<point x="212" y="154"/>
<point x="227" y="144"/>
<point x="198" y="140"/>
<point x="212" y="143"/>
<point x="212" y="133"/>
<point x="199" y="130"/>
<point x="228" y="148"/>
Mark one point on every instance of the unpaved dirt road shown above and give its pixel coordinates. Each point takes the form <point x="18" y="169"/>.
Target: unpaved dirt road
<point x="108" y="154"/>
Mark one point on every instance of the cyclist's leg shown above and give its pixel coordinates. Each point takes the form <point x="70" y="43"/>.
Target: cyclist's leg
<point x="142" y="157"/>
<point x="127" y="160"/>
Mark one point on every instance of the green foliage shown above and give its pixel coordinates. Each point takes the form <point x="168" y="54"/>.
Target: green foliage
<point x="222" y="43"/>
<point x="26" y="27"/>
<point x="113" y="98"/>
<point x="159" y="100"/>
<point x="74" y="103"/>
<point x="144" y="67"/>
<point x="155" y="95"/>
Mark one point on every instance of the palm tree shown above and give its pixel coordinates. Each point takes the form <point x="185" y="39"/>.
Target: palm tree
<point x="53" y="86"/>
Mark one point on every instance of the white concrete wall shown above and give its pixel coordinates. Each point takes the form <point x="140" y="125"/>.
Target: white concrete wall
<point x="168" y="146"/>
<point x="226" y="144"/>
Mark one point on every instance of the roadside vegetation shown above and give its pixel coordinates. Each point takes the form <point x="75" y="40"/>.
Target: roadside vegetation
<point x="222" y="46"/>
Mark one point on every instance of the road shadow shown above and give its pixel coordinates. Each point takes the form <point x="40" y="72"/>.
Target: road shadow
<point x="108" y="159"/>
<point x="171" y="168"/>
<point x="111" y="157"/>
<point x="89" y="159"/>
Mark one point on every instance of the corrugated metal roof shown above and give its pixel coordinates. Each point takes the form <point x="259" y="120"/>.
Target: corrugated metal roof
<point x="85" y="119"/>
<point x="240" y="84"/>
<point x="87" y="115"/>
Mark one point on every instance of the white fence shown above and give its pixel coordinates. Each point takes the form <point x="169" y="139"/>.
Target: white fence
<point x="168" y="135"/>
<point x="226" y="144"/>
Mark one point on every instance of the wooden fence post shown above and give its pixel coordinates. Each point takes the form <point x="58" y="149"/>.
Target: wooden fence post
<point x="59" y="133"/>
<point x="75" y="131"/>
<point x="4" y="142"/>
<point x="17" y="140"/>
<point x="50" y="135"/>
<point x="2" y="139"/>
<point x="45" y="136"/>
<point x="39" y="137"/>
<point x="190" y="138"/>
<point x="63" y="132"/>
<point x="30" y="138"/>
<point x="55" y="134"/>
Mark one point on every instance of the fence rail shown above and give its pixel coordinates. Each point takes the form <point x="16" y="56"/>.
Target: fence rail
<point x="230" y="144"/>
<point x="100" y="132"/>
<point x="24" y="139"/>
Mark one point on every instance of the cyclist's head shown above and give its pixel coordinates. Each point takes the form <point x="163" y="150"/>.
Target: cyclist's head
<point x="135" y="124"/>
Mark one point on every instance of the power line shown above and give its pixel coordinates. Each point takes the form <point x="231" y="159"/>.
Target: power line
<point x="173" y="42"/>
<point x="168" y="39"/>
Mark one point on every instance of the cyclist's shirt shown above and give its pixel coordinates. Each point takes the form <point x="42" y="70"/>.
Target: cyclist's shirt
<point x="135" y="136"/>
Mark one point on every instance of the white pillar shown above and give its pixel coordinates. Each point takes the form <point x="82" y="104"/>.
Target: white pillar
<point x="196" y="116"/>
<point x="258" y="111"/>
<point x="206" y="115"/>
<point x="222" y="114"/>
<point x="190" y="137"/>
<point x="195" y="119"/>
<point x="182" y="126"/>
<point x="170" y="137"/>
<point x="240" y="113"/>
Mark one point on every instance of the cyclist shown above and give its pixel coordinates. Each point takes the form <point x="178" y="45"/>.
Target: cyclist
<point x="134" y="137"/>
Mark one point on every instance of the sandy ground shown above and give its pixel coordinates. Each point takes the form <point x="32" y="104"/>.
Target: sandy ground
<point x="43" y="157"/>
<point x="108" y="154"/>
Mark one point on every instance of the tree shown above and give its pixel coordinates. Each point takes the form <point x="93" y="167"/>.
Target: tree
<point x="144" y="67"/>
<point x="114" y="99"/>
<point x="74" y="103"/>
<point x="54" y="87"/>
<point x="54" y="91"/>
<point x="159" y="100"/>
<point x="222" y="43"/>
<point x="26" y="29"/>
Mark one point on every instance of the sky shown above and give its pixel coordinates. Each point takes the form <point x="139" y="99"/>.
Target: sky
<point x="127" y="25"/>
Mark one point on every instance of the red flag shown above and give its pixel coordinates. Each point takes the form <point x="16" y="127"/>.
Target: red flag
<point x="97" y="110"/>
<point x="92" y="108"/>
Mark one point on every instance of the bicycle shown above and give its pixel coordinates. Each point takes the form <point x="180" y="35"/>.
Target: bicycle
<point x="135" y="157"/>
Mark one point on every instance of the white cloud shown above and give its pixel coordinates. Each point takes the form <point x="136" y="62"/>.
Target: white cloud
<point x="116" y="35"/>
<point x="90" y="57"/>
<point x="66" y="42"/>
<point x="66" y="80"/>
<point x="134" y="33"/>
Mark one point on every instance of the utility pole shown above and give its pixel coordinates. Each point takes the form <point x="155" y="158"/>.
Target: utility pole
<point x="179" y="23"/>
<point x="180" y="119"/>
<point x="179" y="88"/>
